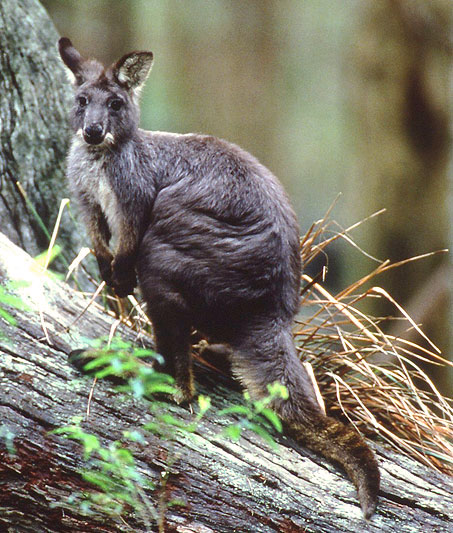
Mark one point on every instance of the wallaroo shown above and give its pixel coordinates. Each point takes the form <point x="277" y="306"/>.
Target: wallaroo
<point x="209" y="235"/>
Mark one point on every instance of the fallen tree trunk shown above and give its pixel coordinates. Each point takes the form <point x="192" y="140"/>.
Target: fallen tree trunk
<point x="226" y="486"/>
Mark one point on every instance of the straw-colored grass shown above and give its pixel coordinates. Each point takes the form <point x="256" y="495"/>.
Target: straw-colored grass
<point x="366" y="375"/>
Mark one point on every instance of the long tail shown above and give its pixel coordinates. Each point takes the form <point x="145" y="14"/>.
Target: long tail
<point x="270" y="355"/>
<point x="342" y="444"/>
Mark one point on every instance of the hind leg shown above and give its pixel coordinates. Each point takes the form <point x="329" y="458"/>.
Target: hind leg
<point x="263" y="357"/>
<point x="173" y="343"/>
<point x="172" y="327"/>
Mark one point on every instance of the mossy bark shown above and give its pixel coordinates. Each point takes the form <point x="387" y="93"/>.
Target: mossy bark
<point x="35" y="95"/>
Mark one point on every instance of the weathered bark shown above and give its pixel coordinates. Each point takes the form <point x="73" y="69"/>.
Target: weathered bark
<point x="35" y="96"/>
<point x="227" y="486"/>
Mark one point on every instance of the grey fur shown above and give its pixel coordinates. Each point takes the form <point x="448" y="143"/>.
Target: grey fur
<point x="214" y="242"/>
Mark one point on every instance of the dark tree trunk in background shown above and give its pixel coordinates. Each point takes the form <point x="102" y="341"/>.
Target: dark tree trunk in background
<point x="227" y="487"/>
<point x="400" y="74"/>
<point x="35" y="96"/>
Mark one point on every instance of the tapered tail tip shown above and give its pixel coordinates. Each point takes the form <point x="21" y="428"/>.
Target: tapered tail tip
<point x="368" y="488"/>
<point x="368" y="509"/>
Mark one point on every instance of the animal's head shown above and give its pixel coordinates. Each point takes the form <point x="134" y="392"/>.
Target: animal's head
<point x="105" y="109"/>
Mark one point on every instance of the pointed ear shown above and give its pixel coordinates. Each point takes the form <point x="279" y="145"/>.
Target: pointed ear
<point x="133" y="69"/>
<point x="72" y="59"/>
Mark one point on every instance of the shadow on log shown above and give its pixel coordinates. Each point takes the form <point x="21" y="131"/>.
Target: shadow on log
<point x="242" y="486"/>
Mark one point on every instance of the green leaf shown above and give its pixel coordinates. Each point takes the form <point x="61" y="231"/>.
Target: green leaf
<point x="277" y="390"/>
<point x="156" y="428"/>
<point x="273" y="418"/>
<point x="95" y="360"/>
<point x="172" y="421"/>
<point x="54" y="252"/>
<point x="176" y="502"/>
<point x="235" y="409"/>
<point x="204" y="402"/>
<point x="125" y="456"/>
<point x="97" y="478"/>
<point x="160" y="388"/>
<point x="157" y="376"/>
<point x="115" y="368"/>
<point x="69" y="432"/>
<point x="233" y="432"/>
<point x="137" y="387"/>
<point x="9" y="318"/>
<point x="260" y="431"/>
<point x="145" y="352"/>
<point x="104" y="454"/>
<point x="12" y="300"/>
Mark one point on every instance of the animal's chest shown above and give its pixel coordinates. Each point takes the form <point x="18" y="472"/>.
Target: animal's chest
<point x="108" y="201"/>
<point x="91" y="178"/>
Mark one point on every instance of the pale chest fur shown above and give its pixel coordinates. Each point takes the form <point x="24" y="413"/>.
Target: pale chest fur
<point x="109" y="203"/>
<point x="89" y="179"/>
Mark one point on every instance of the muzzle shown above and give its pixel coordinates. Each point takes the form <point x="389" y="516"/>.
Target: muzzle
<point x="94" y="133"/>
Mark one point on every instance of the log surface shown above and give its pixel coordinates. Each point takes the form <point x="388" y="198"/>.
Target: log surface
<point x="242" y="486"/>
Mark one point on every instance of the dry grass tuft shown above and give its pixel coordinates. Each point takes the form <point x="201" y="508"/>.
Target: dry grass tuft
<point x="372" y="377"/>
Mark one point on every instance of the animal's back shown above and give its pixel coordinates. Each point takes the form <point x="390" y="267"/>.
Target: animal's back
<point x="221" y="230"/>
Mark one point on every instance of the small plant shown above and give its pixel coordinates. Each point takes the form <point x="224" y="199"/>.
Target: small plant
<point x="256" y="415"/>
<point x="114" y="473"/>
<point x="9" y="299"/>
<point x="166" y="425"/>
<point x="112" y="470"/>
<point x="118" y="359"/>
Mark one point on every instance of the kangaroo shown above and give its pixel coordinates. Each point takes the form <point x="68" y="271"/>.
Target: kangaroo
<point x="210" y="237"/>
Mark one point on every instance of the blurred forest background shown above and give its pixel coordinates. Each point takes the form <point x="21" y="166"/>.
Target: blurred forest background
<point x="348" y="97"/>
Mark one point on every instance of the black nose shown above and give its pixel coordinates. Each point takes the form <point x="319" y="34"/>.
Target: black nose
<point x="94" y="133"/>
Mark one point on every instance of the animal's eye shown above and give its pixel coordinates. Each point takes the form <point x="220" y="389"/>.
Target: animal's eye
<point x="116" y="104"/>
<point x="82" y="101"/>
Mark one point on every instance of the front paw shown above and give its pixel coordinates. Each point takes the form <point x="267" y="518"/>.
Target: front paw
<point x="124" y="287"/>
<point x="124" y="279"/>
<point x="105" y="268"/>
